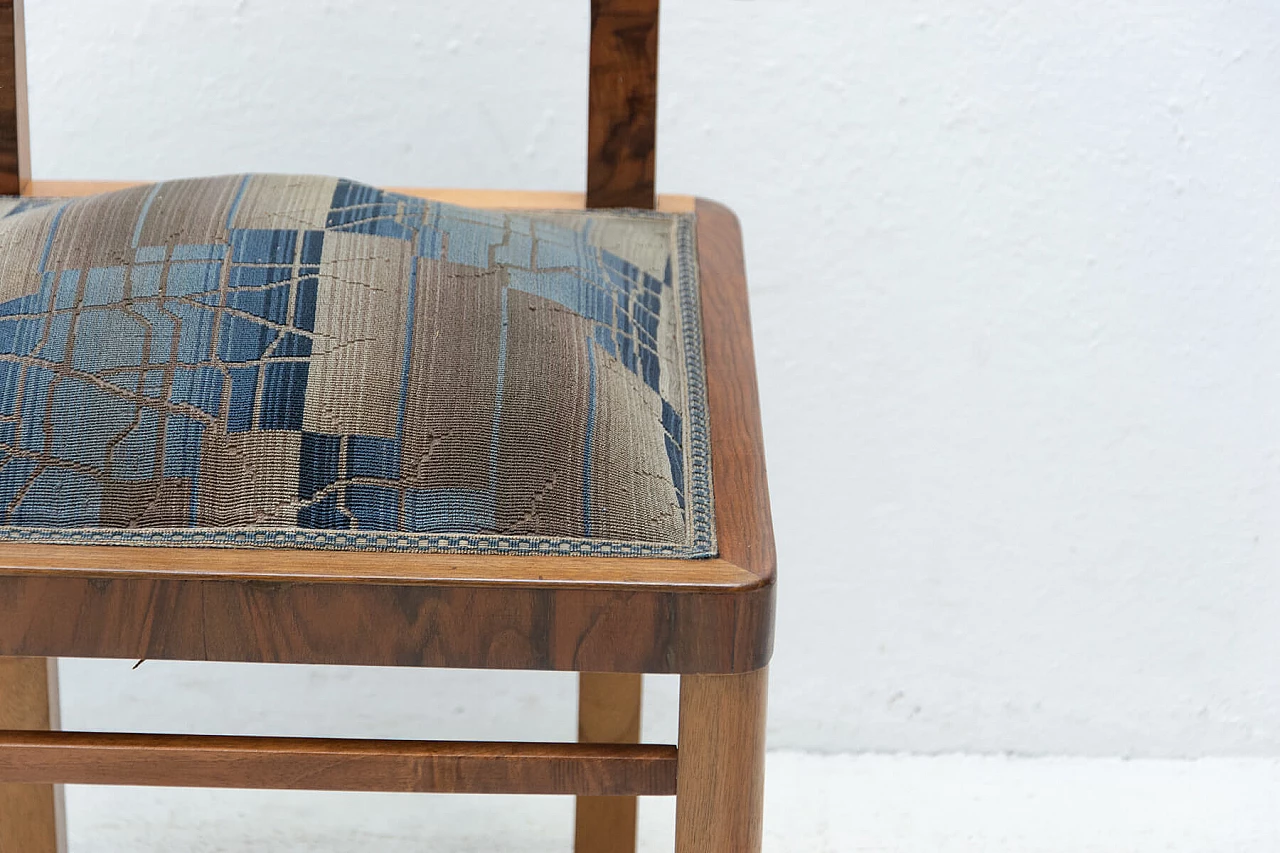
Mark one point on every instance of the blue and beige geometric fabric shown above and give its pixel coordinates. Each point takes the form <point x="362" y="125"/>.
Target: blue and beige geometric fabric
<point x="308" y="362"/>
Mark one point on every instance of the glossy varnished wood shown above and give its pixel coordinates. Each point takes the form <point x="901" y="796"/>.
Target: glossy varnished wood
<point x="744" y="522"/>
<point x="517" y="627"/>
<point x="720" y="785"/>
<point x="336" y="765"/>
<point x="608" y="712"/>
<point x="583" y="613"/>
<point x="31" y="816"/>
<point x="14" y="158"/>
<point x="381" y="567"/>
<point x="623" y="103"/>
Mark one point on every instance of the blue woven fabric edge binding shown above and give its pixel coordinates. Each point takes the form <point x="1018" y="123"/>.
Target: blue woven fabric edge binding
<point x="702" y="545"/>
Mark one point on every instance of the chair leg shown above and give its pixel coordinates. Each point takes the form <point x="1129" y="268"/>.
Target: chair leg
<point x="608" y="712"/>
<point x="720" y="777"/>
<point x="31" y="816"/>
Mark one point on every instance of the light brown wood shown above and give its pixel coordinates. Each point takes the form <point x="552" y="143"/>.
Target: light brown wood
<point x="608" y="712"/>
<point x="15" y="157"/>
<point x="291" y="565"/>
<point x="744" y="521"/>
<point x="609" y="707"/>
<point x="495" y="199"/>
<point x="31" y="816"/>
<point x="720" y="784"/>
<point x="322" y="764"/>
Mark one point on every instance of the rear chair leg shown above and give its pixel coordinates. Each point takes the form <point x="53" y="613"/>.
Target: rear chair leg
<point x="608" y="712"/>
<point x="720" y="780"/>
<point x="31" y="816"/>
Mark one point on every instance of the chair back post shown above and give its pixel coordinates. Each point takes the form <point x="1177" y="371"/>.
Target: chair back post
<point x="15" y="156"/>
<point x="623" y="103"/>
<point x="621" y="121"/>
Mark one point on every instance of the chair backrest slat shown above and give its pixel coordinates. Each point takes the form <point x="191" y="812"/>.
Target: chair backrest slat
<point x="623" y="108"/>
<point x="15" y="163"/>
<point x="621" y="119"/>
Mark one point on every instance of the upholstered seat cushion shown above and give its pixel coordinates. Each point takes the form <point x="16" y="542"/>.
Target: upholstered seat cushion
<point x="278" y="361"/>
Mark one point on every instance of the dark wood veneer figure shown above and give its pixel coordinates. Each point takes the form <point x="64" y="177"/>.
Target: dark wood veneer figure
<point x="610" y="619"/>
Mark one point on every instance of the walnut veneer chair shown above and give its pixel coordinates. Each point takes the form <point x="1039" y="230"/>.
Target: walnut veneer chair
<point x="605" y="511"/>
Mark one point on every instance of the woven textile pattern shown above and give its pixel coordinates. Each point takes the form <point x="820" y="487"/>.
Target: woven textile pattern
<point x="280" y="361"/>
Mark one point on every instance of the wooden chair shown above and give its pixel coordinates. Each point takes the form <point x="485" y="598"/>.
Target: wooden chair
<point x="609" y="618"/>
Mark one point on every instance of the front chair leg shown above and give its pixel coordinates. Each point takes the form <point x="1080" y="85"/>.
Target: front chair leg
<point x="31" y="816"/>
<point x="608" y="712"/>
<point x="720" y="778"/>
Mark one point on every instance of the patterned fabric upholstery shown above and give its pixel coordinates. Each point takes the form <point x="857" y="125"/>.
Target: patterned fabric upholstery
<point x="277" y="361"/>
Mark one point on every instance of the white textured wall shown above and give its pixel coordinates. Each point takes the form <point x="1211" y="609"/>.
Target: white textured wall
<point x="1016" y="281"/>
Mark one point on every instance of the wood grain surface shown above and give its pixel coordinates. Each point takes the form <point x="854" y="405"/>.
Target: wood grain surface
<point x="720" y="789"/>
<point x="744" y="521"/>
<point x="15" y="157"/>
<point x="336" y="765"/>
<point x="622" y="113"/>
<point x="31" y="816"/>
<point x="608" y="712"/>
<point x="490" y="626"/>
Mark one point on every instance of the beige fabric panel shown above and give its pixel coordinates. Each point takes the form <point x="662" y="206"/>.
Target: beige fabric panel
<point x="358" y="345"/>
